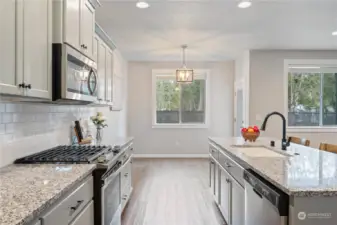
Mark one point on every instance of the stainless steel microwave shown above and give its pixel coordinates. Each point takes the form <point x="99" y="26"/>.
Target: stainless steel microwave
<point x="74" y="76"/>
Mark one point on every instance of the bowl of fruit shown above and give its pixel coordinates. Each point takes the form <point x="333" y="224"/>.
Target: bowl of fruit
<point x="250" y="133"/>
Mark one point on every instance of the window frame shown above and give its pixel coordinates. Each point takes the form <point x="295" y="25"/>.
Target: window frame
<point x="204" y="73"/>
<point x="300" y="62"/>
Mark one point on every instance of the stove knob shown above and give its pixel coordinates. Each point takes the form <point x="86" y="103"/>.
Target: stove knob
<point x="101" y="159"/>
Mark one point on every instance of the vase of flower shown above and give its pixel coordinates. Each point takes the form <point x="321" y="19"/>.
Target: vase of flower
<point x="100" y="122"/>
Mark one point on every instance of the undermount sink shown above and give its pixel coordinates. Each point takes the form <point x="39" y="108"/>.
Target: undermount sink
<point x="260" y="151"/>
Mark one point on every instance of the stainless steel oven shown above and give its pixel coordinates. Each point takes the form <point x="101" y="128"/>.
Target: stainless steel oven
<point x="74" y="76"/>
<point x="111" y="196"/>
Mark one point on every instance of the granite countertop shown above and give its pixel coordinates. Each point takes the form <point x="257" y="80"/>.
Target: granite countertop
<point x="27" y="190"/>
<point x="308" y="172"/>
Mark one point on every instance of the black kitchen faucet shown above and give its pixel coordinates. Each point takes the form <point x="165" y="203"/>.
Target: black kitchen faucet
<point x="284" y="140"/>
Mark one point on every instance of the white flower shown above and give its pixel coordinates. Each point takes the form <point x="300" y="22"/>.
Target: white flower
<point x="99" y="114"/>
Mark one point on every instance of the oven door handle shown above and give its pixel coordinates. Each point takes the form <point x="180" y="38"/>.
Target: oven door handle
<point x="108" y="180"/>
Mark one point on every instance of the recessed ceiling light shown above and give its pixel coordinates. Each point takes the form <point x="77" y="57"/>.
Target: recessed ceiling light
<point x="334" y="33"/>
<point x="244" y="4"/>
<point x="142" y="5"/>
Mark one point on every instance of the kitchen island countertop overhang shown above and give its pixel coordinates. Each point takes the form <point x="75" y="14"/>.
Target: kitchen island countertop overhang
<point x="306" y="172"/>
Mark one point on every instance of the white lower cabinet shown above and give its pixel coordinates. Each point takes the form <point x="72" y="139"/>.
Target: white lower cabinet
<point x="86" y="217"/>
<point x="74" y="209"/>
<point x="212" y="176"/>
<point x="228" y="193"/>
<point x="225" y="196"/>
<point x="217" y="183"/>
<point x="238" y="204"/>
<point x="126" y="183"/>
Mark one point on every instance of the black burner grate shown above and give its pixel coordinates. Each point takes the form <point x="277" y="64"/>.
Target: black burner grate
<point x="66" y="154"/>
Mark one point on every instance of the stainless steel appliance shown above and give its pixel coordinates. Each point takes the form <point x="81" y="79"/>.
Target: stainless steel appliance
<point x="74" y="76"/>
<point x="107" y="177"/>
<point x="110" y="197"/>
<point x="265" y="204"/>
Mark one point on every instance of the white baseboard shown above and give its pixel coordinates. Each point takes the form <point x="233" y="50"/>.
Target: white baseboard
<point x="176" y="156"/>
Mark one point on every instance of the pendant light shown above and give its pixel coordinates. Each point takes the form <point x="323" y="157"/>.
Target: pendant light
<point x="183" y="74"/>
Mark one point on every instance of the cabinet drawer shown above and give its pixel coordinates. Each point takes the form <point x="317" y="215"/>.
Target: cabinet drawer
<point x="126" y="174"/>
<point x="213" y="151"/>
<point x="126" y="193"/>
<point x="232" y="167"/>
<point x="86" y="217"/>
<point x="68" y="208"/>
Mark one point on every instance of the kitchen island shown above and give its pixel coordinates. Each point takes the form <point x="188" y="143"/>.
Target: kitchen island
<point x="307" y="175"/>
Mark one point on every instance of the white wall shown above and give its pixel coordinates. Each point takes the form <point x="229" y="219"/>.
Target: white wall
<point x="117" y="123"/>
<point x="242" y="66"/>
<point x="150" y="140"/>
<point x="29" y="128"/>
<point x="267" y="91"/>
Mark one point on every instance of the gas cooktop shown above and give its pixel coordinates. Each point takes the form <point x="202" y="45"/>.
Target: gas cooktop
<point x="68" y="154"/>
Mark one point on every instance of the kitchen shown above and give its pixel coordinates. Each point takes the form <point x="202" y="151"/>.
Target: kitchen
<point x="68" y="63"/>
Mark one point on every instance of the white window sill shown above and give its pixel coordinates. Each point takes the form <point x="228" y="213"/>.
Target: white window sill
<point x="180" y="126"/>
<point x="332" y="129"/>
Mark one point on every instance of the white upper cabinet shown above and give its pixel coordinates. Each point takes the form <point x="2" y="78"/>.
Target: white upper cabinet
<point x="95" y="48"/>
<point x="79" y="23"/>
<point x="9" y="79"/>
<point x="72" y="23"/>
<point x="25" y="48"/>
<point x="119" y="74"/>
<point x="101" y="65"/>
<point x="109" y="70"/>
<point x="37" y="42"/>
<point x="87" y="27"/>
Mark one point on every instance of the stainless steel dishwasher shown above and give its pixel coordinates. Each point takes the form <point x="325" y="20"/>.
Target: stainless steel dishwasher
<point x="265" y="204"/>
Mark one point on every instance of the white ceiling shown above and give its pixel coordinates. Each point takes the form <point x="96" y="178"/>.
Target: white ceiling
<point x="216" y="30"/>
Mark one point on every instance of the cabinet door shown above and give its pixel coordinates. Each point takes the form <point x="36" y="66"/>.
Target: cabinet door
<point x="101" y="65"/>
<point x="87" y="27"/>
<point x="217" y="183"/>
<point x="212" y="176"/>
<point x="238" y="204"/>
<point x="95" y="48"/>
<point x="72" y="23"/>
<point x="108" y="85"/>
<point x="225" y="196"/>
<point x="37" y="45"/>
<point x="8" y="75"/>
<point x="86" y="217"/>
<point x="117" y="92"/>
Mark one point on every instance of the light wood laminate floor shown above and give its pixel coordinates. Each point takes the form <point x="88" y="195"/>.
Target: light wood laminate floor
<point x="171" y="192"/>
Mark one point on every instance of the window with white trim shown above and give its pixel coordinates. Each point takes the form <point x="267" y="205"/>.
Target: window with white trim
<point x="312" y="95"/>
<point x="178" y="103"/>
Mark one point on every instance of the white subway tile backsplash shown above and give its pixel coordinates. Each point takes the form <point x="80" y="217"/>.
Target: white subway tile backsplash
<point x="29" y="128"/>
<point x="2" y="128"/>
<point x="23" y="117"/>
<point x="9" y="128"/>
<point x="6" y="118"/>
<point x="11" y="107"/>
